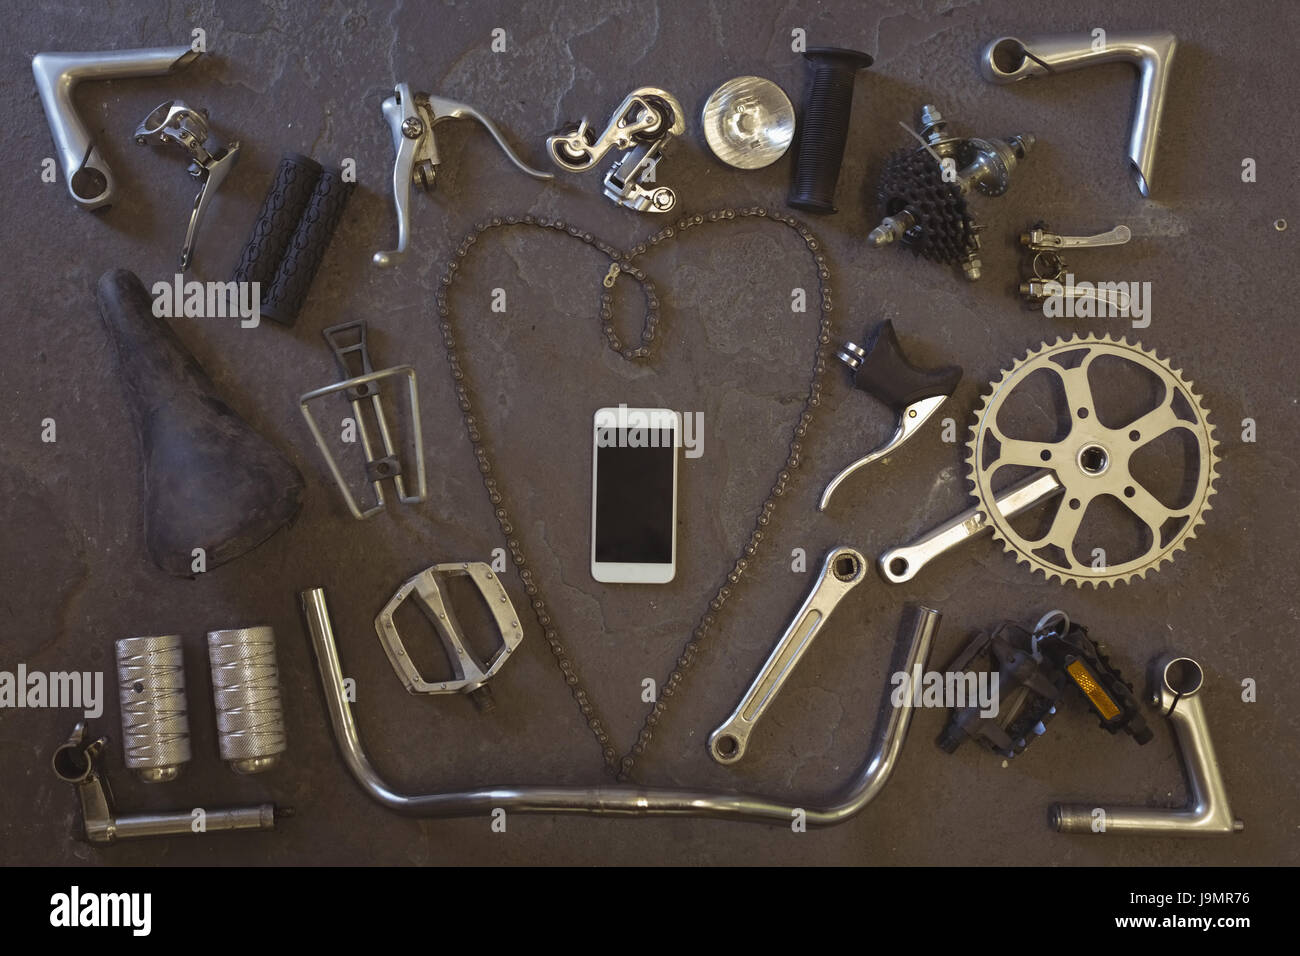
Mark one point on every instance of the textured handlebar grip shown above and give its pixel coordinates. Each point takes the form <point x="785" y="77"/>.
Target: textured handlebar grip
<point x="292" y="281"/>
<point x="282" y="209"/>
<point x="824" y="127"/>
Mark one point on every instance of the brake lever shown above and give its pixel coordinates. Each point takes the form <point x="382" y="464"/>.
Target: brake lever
<point x="881" y="369"/>
<point x="1038" y="239"/>
<point x="411" y="118"/>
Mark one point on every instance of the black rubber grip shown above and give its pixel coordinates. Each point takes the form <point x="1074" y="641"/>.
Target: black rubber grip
<point x="886" y="373"/>
<point x="281" y="211"/>
<point x="292" y="281"/>
<point x="824" y="127"/>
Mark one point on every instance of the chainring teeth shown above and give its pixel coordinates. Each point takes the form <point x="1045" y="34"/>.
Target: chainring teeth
<point x="1155" y="556"/>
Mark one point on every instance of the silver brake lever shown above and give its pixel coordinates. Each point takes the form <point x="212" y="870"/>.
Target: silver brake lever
<point x="1040" y="240"/>
<point x="411" y="118"/>
<point x="1038" y="290"/>
<point x="881" y="369"/>
<point x="909" y="422"/>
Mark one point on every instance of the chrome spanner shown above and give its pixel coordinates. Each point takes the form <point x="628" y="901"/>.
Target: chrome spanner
<point x="901" y="564"/>
<point x="842" y="571"/>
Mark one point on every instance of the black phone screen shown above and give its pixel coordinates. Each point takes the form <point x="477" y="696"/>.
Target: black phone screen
<point x="634" y="495"/>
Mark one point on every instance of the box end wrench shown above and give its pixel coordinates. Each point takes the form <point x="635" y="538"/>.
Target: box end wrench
<point x="842" y="571"/>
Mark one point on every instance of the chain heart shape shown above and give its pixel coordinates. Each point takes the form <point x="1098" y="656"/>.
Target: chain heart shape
<point x="623" y="263"/>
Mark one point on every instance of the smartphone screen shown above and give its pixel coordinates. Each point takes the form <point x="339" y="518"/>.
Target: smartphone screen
<point x="634" y="493"/>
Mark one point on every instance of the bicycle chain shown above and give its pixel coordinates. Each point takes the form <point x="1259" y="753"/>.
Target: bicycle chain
<point x="622" y="263"/>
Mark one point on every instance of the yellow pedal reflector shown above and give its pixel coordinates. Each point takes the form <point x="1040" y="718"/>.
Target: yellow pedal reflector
<point x="1100" y="699"/>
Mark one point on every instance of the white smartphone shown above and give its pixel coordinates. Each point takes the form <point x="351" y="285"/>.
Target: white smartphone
<point x="634" y="495"/>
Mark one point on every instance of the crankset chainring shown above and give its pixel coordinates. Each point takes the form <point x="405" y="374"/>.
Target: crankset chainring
<point x="1093" y="455"/>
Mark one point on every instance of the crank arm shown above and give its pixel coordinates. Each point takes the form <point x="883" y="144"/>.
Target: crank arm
<point x="842" y="571"/>
<point x="898" y="565"/>
<point x="1040" y="240"/>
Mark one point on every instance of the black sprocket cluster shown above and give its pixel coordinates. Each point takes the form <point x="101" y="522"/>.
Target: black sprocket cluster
<point x="944" y="230"/>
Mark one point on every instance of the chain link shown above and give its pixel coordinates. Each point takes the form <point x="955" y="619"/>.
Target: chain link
<point x="622" y="263"/>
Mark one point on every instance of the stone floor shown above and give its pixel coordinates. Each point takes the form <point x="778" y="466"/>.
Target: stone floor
<point x="75" y="577"/>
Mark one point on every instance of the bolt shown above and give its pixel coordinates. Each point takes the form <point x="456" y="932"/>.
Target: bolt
<point x="933" y="125"/>
<point x="891" y="228"/>
<point x="1022" y="144"/>
<point x="412" y="127"/>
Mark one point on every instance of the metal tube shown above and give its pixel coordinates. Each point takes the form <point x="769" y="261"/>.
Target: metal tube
<point x="78" y="762"/>
<point x="610" y="800"/>
<point x="1009" y="59"/>
<point x="1179" y="681"/>
<point x="261" y="817"/>
<point x="57" y="74"/>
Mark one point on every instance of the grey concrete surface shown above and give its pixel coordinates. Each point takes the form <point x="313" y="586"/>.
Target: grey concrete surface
<point x="310" y="78"/>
